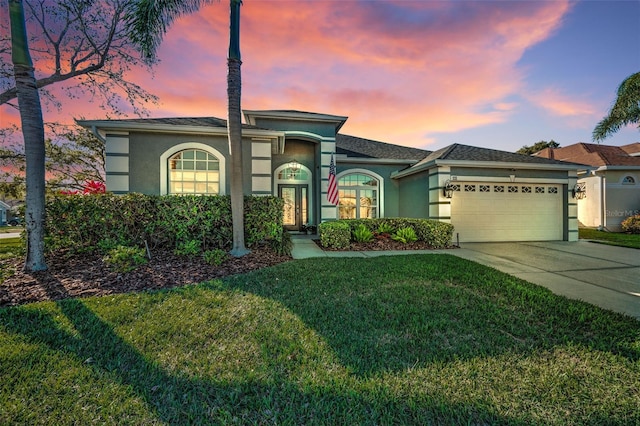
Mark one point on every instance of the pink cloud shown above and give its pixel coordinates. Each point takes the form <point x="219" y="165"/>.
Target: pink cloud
<point x="399" y="69"/>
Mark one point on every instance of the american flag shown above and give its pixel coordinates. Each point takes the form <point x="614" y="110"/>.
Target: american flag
<point x="332" y="191"/>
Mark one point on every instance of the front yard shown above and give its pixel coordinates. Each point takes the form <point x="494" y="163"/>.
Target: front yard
<point x="417" y="339"/>
<point x="613" y="238"/>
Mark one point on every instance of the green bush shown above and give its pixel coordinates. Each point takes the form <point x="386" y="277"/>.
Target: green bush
<point x="215" y="257"/>
<point x="362" y="234"/>
<point x="336" y="234"/>
<point x="125" y="259"/>
<point x="384" y="228"/>
<point x="436" y="234"/>
<point x="188" y="248"/>
<point x="282" y="245"/>
<point x="405" y="235"/>
<point x="631" y="224"/>
<point x="98" y="223"/>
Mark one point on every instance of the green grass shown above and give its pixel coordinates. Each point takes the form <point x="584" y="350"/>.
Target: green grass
<point x="8" y="229"/>
<point x="611" y="238"/>
<point x="9" y="247"/>
<point x="416" y="339"/>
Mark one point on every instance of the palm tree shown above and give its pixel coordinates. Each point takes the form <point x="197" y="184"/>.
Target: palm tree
<point x="33" y="133"/>
<point x="148" y="22"/>
<point x="626" y="109"/>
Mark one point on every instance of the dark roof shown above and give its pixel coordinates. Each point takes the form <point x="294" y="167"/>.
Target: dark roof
<point x="353" y="146"/>
<point x="180" y="121"/>
<point x="593" y="154"/>
<point x="458" y="152"/>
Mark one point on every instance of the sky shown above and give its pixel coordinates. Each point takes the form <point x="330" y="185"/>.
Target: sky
<point x="426" y="74"/>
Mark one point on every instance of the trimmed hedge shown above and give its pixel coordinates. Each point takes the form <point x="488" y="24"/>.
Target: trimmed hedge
<point x="101" y="222"/>
<point x="338" y="234"/>
<point x="335" y="234"/>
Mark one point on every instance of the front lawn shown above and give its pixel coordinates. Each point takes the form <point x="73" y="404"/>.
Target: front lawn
<point x="417" y="339"/>
<point x="612" y="238"/>
<point x="9" y="229"/>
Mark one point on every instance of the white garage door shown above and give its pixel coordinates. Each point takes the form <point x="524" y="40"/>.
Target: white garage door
<point x="507" y="212"/>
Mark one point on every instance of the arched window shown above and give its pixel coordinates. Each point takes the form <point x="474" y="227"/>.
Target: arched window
<point x="628" y="180"/>
<point x="193" y="171"/>
<point x="359" y="196"/>
<point x="291" y="173"/>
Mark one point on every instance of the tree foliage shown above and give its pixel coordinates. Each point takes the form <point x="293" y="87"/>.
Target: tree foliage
<point x="83" y="44"/>
<point x="73" y="157"/>
<point x="625" y="110"/>
<point x="538" y="146"/>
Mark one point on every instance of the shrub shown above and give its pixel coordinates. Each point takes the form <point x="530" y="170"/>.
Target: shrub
<point x="335" y="234"/>
<point x="384" y="228"/>
<point x="125" y="259"/>
<point x="282" y="245"/>
<point x="188" y="248"/>
<point x="405" y="235"/>
<point x="100" y="222"/>
<point x="631" y="224"/>
<point x="215" y="257"/>
<point x="362" y="234"/>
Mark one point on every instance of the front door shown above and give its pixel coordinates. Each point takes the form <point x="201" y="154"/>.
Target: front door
<point x="295" y="213"/>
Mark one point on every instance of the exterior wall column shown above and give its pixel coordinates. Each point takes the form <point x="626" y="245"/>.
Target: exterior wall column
<point x="572" y="208"/>
<point x="117" y="162"/>
<point x="261" y="177"/>
<point x="327" y="147"/>
<point x="439" y="205"/>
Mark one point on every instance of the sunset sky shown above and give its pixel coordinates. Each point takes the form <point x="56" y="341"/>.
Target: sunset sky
<point x="496" y="74"/>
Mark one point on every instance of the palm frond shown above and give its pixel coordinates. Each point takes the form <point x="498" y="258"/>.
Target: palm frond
<point x="148" y="21"/>
<point x="625" y="111"/>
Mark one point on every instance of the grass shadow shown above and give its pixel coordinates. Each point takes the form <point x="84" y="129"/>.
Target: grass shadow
<point x="406" y="311"/>
<point x="82" y="337"/>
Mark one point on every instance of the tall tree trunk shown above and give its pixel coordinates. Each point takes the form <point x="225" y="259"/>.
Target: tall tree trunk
<point x="234" y="125"/>
<point x="33" y="132"/>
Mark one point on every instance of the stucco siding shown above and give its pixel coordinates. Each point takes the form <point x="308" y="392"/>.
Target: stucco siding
<point x="321" y="129"/>
<point x="506" y="173"/>
<point x="414" y="195"/>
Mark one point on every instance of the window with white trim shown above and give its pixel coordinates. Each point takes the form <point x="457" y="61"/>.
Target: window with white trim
<point x="358" y="196"/>
<point x="193" y="171"/>
<point x="628" y="180"/>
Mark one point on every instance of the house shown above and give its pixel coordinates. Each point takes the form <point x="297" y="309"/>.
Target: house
<point x="4" y="208"/>
<point x="488" y="195"/>
<point x="611" y="186"/>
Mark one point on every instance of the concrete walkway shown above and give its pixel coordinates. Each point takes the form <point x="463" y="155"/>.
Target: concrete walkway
<point x="599" y="274"/>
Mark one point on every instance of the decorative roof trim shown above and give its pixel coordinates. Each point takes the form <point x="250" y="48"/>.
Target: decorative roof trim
<point x="338" y="120"/>
<point x="366" y="160"/>
<point x="486" y="164"/>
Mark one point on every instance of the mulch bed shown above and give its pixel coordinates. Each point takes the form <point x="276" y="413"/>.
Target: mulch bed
<point x="88" y="275"/>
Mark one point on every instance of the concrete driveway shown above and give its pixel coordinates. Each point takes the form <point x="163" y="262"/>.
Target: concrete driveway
<point x="603" y="275"/>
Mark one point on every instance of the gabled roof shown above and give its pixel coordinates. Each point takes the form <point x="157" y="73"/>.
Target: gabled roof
<point x="469" y="156"/>
<point x="353" y="146"/>
<point x="632" y="149"/>
<point x="593" y="154"/>
<point x="458" y="152"/>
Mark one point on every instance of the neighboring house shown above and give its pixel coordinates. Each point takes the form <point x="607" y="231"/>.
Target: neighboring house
<point x="612" y="185"/>
<point x="487" y="195"/>
<point x="4" y="208"/>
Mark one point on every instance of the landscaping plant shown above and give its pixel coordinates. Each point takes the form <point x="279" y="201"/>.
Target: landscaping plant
<point x="405" y="235"/>
<point x="631" y="224"/>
